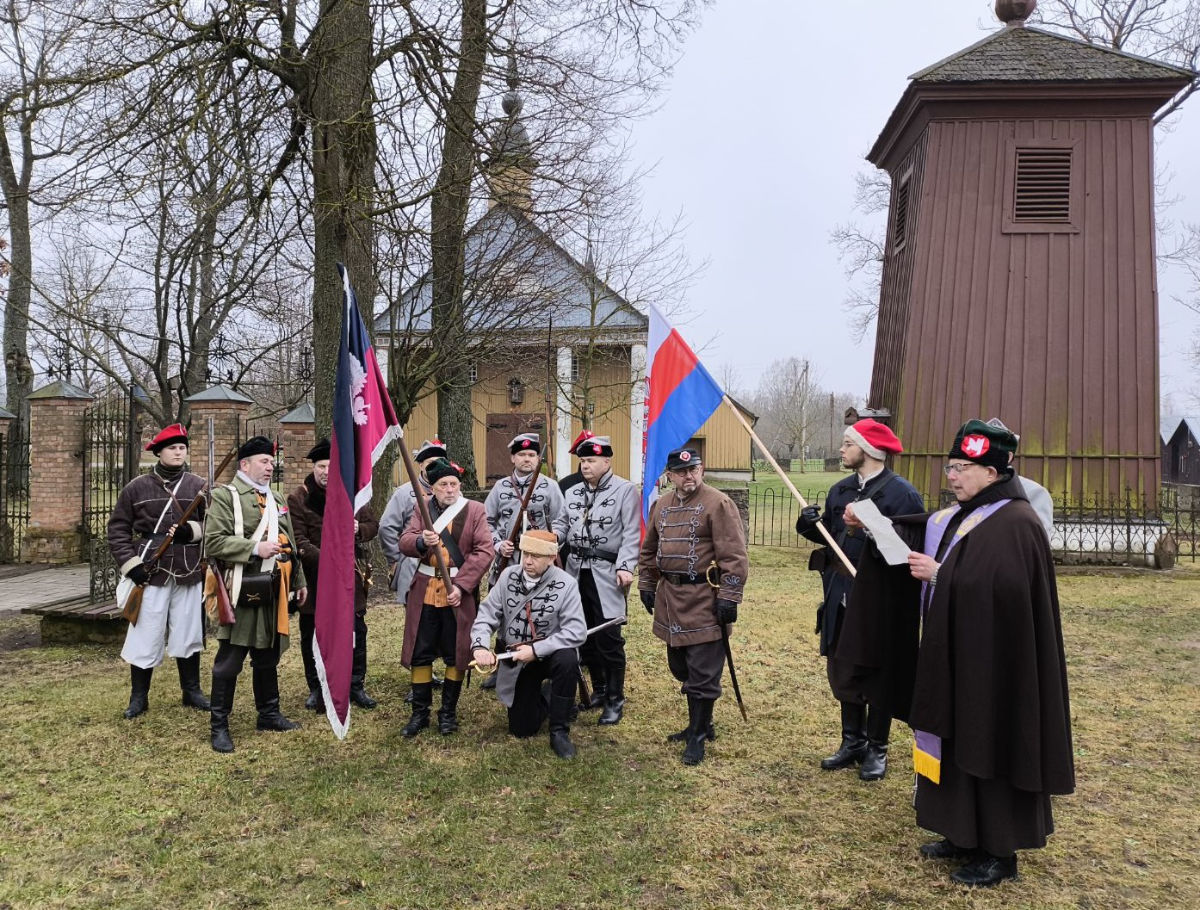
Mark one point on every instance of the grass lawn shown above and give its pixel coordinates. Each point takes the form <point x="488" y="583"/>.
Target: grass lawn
<point x="96" y="811"/>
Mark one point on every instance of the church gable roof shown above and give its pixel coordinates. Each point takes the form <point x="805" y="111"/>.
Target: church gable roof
<point x="1027" y="54"/>
<point x="515" y="270"/>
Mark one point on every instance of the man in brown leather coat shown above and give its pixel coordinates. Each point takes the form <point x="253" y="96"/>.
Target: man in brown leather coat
<point x="691" y="572"/>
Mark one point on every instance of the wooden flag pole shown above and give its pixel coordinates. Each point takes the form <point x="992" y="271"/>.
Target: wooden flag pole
<point x="787" y="482"/>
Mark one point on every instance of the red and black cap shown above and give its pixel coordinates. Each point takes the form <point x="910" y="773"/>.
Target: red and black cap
<point x="168" y="436"/>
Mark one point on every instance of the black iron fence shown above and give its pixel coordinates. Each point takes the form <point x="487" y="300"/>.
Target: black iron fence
<point x="1090" y="530"/>
<point x="14" y="493"/>
<point x="110" y="460"/>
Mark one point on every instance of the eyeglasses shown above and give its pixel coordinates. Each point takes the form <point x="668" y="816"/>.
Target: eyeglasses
<point x="957" y="468"/>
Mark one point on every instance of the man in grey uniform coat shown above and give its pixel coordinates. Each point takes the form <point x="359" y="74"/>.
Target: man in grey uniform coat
<point x="535" y="607"/>
<point x="601" y="526"/>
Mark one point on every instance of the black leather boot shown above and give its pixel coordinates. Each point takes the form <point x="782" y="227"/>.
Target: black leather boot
<point x="986" y="870"/>
<point x="701" y="715"/>
<point x="358" y="673"/>
<point x="681" y="737"/>
<point x="189" y="682"/>
<point x="139" y="691"/>
<point x="315" y="700"/>
<point x="222" y="704"/>
<point x="448" y="712"/>
<point x="879" y="727"/>
<point x="266" y="699"/>
<point x="560" y="725"/>
<point x="614" y="698"/>
<point x="854" y="739"/>
<point x="599" y="690"/>
<point x="422" y="700"/>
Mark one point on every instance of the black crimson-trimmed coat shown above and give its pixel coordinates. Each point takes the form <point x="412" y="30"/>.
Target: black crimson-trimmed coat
<point x="307" y="506"/>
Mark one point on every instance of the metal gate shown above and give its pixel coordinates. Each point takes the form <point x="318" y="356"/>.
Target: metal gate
<point x="111" y="456"/>
<point x="14" y="491"/>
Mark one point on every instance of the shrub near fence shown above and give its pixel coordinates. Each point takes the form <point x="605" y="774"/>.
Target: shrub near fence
<point x="1087" y="531"/>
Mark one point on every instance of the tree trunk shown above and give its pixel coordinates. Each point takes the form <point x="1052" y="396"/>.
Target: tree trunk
<point x="448" y="209"/>
<point x="18" y="369"/>
<point x="341" y="108"/>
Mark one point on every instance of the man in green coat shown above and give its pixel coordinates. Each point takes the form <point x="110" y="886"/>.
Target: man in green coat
<point x="248" y="538"/>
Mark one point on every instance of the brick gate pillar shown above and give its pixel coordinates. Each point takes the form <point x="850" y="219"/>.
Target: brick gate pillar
<point x="228" y="410"/>
<point x="297" y="434"/>
<point x="56" y="445"/>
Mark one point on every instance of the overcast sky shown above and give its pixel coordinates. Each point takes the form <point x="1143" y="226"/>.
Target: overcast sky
<point x="764" y="126"/>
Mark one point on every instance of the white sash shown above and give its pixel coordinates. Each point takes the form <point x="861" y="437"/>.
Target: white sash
<point x="443" y="520"/>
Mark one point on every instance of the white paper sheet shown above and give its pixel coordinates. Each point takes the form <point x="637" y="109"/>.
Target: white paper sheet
<point x="891" y="547"/>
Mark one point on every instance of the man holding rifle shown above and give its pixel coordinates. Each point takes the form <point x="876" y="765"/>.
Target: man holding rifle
<point x="148" y="511"/>
<point x="601" y="526"/>
<point x="249" y="530"/>
<point x="441" y="610"/>
<point x="692" y="570"/>
<point x="514" y="506"/>
<point x="535" y="607"/>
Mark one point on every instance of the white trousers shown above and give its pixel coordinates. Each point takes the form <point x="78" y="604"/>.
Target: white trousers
<point x="170" y="622"/>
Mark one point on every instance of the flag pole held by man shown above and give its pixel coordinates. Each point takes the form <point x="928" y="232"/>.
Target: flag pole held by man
<point x="363" y="425"/>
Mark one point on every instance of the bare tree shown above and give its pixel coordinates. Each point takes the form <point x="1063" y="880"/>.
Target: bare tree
<point x="860" y="247"/>
<point x="789" y="405"/>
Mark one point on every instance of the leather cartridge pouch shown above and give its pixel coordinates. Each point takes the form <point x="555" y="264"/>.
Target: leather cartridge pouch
<point x="818" y="560"/>
<point x="259" y="589"/>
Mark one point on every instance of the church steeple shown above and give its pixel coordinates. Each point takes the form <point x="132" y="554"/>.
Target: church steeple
<point x="510" y="169"/>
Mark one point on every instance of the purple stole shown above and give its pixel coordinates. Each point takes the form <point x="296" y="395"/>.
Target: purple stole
<point x="927" y="747"/>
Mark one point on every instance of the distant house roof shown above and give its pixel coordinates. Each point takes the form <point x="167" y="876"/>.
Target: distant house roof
<point x="1032" y="55"/>
<point x="1167" y="428"/>
<point x="515" y="271"/>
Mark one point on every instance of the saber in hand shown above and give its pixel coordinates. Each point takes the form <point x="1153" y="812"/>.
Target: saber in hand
<point x="509" y="655"/>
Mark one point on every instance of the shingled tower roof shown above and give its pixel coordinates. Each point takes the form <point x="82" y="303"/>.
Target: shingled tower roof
<point x="1024" y="54"/>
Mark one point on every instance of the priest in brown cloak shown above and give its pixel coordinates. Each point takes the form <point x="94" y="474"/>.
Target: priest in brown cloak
<point x="986" y="692"/>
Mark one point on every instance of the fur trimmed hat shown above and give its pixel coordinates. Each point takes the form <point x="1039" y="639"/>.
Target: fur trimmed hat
<point x="255" y="445"/>
<point x="432" y="448"/>
<point x="525" y="442"/>
<point x="539" y="543"/>
<point x="584" y="434"/>
<point x="168" y="436"/>
<point x="984" y="444"/>
<point x="874" y="438"/>
<point x="440" y="468"/>
<point x="593" y="445"/>
<point x="319" y="452"/>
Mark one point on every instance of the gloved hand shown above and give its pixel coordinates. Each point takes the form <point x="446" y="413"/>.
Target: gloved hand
<point x="726" y="612"/>
<point x="647" y="601"/>
<point x="138" y="574"/>
<point x="183" y="533"/>
<point x="809" y="516"/>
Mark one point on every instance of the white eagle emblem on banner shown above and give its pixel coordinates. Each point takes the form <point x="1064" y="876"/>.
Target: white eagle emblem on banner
<point x="358" y="382"/>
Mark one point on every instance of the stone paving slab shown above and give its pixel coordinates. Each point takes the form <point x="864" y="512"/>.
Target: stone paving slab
<point x="42" y="586"/>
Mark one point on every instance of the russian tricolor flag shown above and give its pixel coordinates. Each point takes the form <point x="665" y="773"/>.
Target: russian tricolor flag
<point x="364" y="423"/>
<point x="681" y="395"/>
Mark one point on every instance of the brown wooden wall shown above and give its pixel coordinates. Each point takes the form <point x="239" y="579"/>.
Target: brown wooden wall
<point x="1055" y="333"/>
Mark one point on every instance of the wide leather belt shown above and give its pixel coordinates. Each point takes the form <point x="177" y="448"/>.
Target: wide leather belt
<point x="679" y="578"/>
<point x="593" y="553"/>
<point x="426" y="569"/>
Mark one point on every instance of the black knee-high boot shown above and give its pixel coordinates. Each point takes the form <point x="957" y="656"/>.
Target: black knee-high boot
<point x="358" y="672"/>
<point x="560" y="725"/>
<point x="189" y="682"/>
<point x="222" y="703"/>
<point x="614" y="697"/>
<point x="139" y="691"/>
<point x="700" y="710"/>
<point x="266" y="699"/>
<point x="448" y="713"/>
<point x="879" y="727"/>
<point x="854" y="738"/>
<point x="422" y="700"/>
